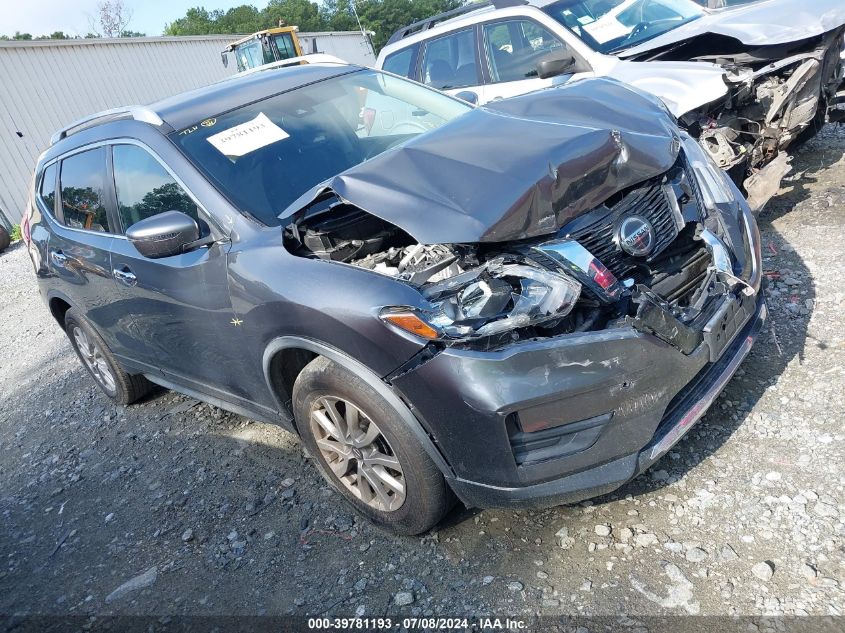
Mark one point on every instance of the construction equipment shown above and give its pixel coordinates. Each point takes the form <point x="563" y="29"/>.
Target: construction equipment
<point x="264" y="47"/>
<point x="286" y="42"/>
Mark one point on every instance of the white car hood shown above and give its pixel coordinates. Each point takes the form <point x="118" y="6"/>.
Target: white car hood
<point x="758" y="24"/>
<point x="683" y="86"/>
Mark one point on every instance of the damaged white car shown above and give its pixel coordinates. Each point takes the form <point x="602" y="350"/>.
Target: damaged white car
<point x="747" y="81"/>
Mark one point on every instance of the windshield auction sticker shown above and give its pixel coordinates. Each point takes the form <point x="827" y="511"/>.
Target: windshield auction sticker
<point x="247" y="137"/>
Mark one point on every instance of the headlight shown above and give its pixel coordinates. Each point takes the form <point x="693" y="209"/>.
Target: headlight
<point x="495" y="298"/>
<point x="712" y="181"/>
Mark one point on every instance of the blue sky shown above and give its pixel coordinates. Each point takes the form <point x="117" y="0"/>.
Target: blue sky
<point x="41" y="17"/>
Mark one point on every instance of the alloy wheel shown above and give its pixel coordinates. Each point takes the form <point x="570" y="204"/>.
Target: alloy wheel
<point x="94" y="360"/>
<point x="357" y="452"/>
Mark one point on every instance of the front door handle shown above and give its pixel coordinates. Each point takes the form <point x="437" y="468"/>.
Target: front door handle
<point x="125" y="276"/>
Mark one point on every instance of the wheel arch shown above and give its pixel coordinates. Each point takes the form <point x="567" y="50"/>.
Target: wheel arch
<point x="296" y="349"/>
<point x="59" y="306"/>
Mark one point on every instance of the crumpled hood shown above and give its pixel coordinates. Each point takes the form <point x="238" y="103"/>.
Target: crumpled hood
<point x="516" y="168"/>
<point x="758" y="24"/>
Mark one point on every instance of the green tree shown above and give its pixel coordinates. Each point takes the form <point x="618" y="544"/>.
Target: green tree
<point x="384" y="17"/>
<point x="302" y="13"/>
<point x="338" y="16"/>
<point x="197" y="21"/>
<point x="243" y="19"/>
<point x="381" y="16"/>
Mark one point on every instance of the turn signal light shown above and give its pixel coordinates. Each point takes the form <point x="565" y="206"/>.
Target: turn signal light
<point x="410" y="322"/>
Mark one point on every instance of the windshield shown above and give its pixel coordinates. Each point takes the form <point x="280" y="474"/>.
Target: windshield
<point x="612" y="25"/>
<point x="265" y="155"/>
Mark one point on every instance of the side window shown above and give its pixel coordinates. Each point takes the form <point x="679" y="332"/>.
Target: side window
<point x="514" y="47"/>
<point x="451" y="62"/>
<point x="83" y="183"/>
<point x="48" y="188"/>
<point x="284" y="42"/>
<point x="399" y="63"/>
<point x="144" y="188"/>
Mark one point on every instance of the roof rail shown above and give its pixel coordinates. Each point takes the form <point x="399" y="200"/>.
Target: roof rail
<point x="138" y="113"/>
<point x="424" y="25"/>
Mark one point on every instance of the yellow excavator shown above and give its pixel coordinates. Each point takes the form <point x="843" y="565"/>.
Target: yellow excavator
<point x="264" y="47"/>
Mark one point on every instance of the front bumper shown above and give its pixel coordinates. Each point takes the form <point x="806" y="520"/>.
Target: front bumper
<point x="609" y="404"/>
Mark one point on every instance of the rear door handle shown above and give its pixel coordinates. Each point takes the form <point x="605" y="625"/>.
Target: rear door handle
<point x="125" y="276"/>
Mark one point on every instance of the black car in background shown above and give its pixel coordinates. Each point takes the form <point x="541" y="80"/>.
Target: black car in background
<point x="523" y="304"/>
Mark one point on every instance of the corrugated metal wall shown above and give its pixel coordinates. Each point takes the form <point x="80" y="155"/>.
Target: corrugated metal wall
<point x="349" y="46"/>
<point x="47" y="84"/>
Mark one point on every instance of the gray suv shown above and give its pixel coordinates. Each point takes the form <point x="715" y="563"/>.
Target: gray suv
<point x="527" y="303"/>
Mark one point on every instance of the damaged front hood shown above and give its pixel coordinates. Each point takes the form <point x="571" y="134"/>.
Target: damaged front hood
<point x="514" y="169"/>
<point x="764" y="23"/>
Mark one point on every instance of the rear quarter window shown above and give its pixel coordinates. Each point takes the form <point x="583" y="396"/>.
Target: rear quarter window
<point x="47" y="191"/>
<point x="402" y="62"/>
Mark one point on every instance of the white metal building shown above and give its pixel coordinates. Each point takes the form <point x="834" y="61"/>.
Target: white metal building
<point x="46" y="84"/>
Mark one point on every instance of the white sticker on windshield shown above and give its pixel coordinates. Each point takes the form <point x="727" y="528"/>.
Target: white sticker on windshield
<point x="247" y="137"/>
<point x="607" y="28"/>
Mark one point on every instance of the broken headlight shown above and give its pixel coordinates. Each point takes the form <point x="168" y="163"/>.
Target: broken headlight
<point x="712" y="181"/>
<point x="495" y="298"/>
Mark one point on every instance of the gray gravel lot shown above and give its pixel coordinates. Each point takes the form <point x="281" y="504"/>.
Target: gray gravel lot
<point x="205" y="512"/>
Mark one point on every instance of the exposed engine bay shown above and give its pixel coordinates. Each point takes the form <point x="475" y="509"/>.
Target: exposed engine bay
<point x="652" y="256"/>
<point x="778" y="94"/>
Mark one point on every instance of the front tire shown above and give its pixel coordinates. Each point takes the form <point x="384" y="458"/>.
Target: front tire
<point x="101" y="364"/>
<point x="363" y="449"/>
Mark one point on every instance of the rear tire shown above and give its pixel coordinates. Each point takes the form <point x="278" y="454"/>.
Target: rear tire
<point x="101" y="364"/>
<point x="5" y="239"/>
<point x="363" y="449"/>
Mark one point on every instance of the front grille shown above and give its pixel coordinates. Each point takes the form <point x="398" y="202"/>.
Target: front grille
<point x="595" y="231"/>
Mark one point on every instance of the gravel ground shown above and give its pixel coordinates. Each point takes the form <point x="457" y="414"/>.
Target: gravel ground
<point x="205" y="512"/>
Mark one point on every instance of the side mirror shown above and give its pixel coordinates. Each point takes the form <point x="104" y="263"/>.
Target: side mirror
<point x="164" y="234"/>
<point x="554" y="66"/>
<point x="469" y="96"/>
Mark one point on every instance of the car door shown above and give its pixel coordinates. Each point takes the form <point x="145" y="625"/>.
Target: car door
<point x="450" y="62"/>
<point x="79" y="246"/>
<point x="512" y="49"/>
<point x="173" y="310"/>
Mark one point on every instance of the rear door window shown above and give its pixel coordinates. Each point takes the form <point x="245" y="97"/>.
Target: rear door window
<point x="450" y="61"/>
<point x="83" y="187"/>
<point x="145" y="188"/>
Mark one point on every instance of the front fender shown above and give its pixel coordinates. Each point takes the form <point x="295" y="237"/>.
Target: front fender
<point x="365" y="373"/>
